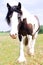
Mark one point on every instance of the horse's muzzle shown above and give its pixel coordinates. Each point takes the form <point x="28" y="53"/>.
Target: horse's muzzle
<point x="13" y="36"/>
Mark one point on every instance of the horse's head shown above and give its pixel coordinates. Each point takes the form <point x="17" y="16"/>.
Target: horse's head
<point x="11" y="18"/>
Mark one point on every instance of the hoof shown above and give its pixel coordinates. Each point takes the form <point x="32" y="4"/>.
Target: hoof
<point x="30" y="52"/>
<point x="21" y="59"/>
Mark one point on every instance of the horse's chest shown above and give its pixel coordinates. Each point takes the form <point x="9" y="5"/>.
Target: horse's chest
<point x="24" y="29"/>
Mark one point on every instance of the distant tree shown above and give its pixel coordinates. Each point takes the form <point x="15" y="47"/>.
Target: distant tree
<point x="41" y="29"/>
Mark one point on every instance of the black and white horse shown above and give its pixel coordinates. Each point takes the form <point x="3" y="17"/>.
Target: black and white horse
<point x="26" y="27"/>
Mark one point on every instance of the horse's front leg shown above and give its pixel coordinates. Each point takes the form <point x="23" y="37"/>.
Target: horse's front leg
<point x="21" y="57"/>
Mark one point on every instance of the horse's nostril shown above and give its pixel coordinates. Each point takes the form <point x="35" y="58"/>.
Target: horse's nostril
<point x="13" y="36"/>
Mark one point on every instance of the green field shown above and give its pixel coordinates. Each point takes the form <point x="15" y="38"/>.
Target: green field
<point x="9" y="51"/>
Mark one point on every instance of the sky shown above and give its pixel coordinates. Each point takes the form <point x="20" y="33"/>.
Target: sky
<point x="33" y="6"/>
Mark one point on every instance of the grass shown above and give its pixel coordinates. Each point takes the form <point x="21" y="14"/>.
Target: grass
<point x="9" y="51"/>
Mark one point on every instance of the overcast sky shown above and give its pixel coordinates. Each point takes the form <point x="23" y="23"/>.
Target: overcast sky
<point x="33" y="6"/>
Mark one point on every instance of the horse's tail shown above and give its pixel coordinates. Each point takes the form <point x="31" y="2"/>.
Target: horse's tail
<point x="38" y="24"/>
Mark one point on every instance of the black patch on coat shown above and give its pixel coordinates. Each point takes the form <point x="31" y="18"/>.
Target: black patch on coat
<point x="20" y="37"/>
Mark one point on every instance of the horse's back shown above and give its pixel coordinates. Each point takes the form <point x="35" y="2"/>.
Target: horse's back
<point x="31" y="19"/>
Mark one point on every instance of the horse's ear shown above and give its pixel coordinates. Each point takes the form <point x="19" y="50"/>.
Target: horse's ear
<point x="19" y="5"/>
<point x="8" y="6"/>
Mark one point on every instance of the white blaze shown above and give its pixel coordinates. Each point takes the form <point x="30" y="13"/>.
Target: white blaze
<point x="14" y="23"/>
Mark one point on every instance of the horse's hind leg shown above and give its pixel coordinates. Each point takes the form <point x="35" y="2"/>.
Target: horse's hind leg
<point x="31" y="44"/>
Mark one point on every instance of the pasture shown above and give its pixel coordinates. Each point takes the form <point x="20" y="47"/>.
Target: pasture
<point x="9" y="51"/>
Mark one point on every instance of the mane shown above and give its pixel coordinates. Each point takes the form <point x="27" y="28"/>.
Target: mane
<point x="9" y="14"/>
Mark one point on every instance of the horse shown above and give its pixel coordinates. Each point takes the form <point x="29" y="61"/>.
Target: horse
<point x="25" y="27"/>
